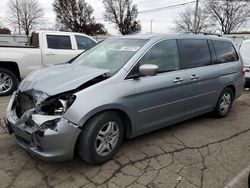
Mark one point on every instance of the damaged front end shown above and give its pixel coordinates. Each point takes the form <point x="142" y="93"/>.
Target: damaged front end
<point x="39" y="125"/>
<point x="35" y="114"/>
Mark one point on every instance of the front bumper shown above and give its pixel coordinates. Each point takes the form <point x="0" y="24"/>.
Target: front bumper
<point x="51" y="144"/>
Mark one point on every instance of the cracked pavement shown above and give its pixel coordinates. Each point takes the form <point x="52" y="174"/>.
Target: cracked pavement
<point x="201" y="152"/>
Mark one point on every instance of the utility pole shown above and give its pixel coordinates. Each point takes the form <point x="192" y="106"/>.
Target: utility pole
<point x="195" y="29"/>
<point x="151" y="26"/>
<point x="18" y="18"/>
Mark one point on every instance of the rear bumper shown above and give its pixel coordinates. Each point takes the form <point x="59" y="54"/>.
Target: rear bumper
<point x="49" y="140"/>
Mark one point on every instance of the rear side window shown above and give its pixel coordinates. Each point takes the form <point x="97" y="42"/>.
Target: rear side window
<point x="84" y="43"/>
<point x="225" y="52"/>
<point x="164" y="54"/>
<point x="59" y="42"/>
<point x="195" y="52"/>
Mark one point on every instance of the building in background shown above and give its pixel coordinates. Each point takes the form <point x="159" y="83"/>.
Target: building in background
<point x="238" y="37"/>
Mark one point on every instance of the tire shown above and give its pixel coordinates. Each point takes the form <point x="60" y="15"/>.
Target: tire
<point x="94" y="131"/>
<point x="8" y="82"/>
<point x="224" y="103"/>
<point x="249" y="180"/>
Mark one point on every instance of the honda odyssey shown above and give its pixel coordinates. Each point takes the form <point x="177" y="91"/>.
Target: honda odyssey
<point x="123" y="87"/>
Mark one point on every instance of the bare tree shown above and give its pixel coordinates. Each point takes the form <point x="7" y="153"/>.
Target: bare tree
<point x="76" y="15"/>
<point x="25" y="13"/>
<point x="123" y="14"/>
<point x="229" y="15"/>
<point x="185" y="21"/>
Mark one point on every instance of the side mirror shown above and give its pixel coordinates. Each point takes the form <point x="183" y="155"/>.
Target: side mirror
<point x="148" y="70"/>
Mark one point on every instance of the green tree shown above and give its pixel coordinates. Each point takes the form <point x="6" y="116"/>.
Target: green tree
<point x="4" y="30"/>
<point x="76" y="15"/>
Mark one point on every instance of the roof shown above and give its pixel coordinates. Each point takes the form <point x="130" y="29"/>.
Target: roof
<point x="58" y="32"/>
<point x="148" y="36"/>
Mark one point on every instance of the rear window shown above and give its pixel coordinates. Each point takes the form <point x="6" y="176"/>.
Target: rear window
<point x="225" y="52"/>
<point x="195" y="52"/>
<point x="61" y="42"/>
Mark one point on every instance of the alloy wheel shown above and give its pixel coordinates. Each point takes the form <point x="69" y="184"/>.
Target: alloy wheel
<point x="225" y="102"/>
<point x="107" y="138"/>
<point x="6" y="82"/>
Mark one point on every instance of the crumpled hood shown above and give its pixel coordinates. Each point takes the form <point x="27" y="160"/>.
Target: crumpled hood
<point x="58" y="79"/>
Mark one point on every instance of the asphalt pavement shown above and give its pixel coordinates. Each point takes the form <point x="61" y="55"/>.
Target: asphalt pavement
<point x="201" y="152"/>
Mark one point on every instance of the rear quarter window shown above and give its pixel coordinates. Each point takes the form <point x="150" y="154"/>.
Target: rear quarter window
<point x="225" y="52"/>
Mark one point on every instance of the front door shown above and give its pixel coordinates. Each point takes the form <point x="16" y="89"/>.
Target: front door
<point x="160" y="98"/>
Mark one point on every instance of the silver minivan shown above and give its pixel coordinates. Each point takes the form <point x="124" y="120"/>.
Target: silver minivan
<point x="123" y="87"/>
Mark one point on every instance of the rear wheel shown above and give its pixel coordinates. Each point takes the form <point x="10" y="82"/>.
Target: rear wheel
<point x="8" y="82"/>
<point x="100" y="138"/>
<point x="224" y="103"/>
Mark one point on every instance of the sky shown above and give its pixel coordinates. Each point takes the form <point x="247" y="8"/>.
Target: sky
<point x="162" y="21"/>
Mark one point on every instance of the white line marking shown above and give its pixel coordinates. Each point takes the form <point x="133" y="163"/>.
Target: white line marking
<point x="244" y="173"/>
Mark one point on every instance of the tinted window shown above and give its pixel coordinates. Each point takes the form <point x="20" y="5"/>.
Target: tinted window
<point x="164" y="54"/>
<point x="84" y="43"/>
<point x="59" y="42"/>
<point x="195" y="52"/>
<point x="225" y="52"/>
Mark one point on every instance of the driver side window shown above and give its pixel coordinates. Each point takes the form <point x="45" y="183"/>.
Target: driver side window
<point x="164" y="54"/>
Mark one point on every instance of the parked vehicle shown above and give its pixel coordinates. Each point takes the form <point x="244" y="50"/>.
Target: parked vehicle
<point x="46" y="47"/>
<point x="245" y="53"/>
<point x="123" y="87"/>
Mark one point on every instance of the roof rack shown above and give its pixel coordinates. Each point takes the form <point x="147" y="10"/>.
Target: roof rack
<point x="203" y="33"/>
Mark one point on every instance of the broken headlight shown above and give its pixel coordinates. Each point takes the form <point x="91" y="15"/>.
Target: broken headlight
<point x="58" y="105"/>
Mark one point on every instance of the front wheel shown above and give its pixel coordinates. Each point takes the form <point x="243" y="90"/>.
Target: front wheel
<point x="224" y="103"/>
<point x="8" y="82"/>
<point x="100" y="138"/>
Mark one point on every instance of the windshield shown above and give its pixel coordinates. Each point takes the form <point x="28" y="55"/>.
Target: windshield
<point x="111" y="54"/>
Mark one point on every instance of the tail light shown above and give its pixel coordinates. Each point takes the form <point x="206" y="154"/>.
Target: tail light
<point x="244" y="70"/>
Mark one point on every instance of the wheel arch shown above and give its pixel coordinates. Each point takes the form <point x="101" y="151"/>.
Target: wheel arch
<point x="121" y="113"/>
<point x="232" y="87"/>
<point x="12" y="66"/>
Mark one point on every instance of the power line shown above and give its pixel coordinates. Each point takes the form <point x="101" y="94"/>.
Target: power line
<point x="166" y="7"/>
<point x="161" y="8"/>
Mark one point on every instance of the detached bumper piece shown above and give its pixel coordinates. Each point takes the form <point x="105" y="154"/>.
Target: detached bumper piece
<point x="50" y="138"/>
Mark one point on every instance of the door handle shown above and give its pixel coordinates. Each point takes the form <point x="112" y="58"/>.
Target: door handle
<point x="50" y="53"/>
<point x="178" y="80"/>
<point x="194" y="77"/>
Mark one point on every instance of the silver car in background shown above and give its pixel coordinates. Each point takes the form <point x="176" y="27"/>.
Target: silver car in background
<point x="123" y="87"/>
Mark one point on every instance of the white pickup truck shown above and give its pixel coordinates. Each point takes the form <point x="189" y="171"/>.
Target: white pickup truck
<point x="46" y="47"/>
